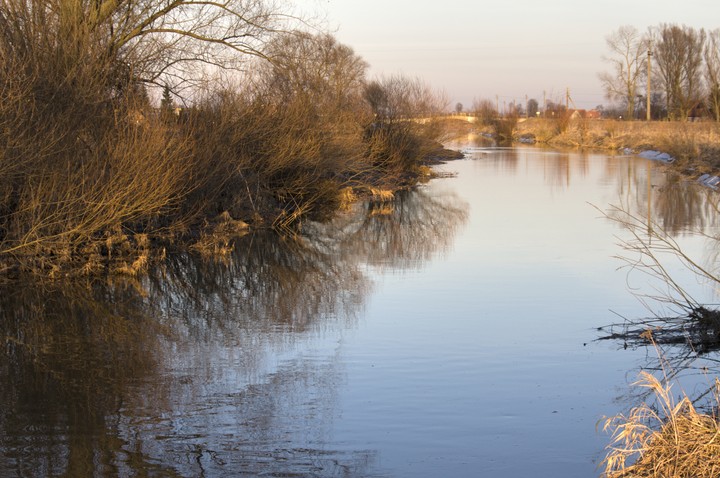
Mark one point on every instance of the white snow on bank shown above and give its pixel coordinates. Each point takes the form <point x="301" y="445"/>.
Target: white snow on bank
<point x="657" y="155"/>
<point x="709" y="181"/>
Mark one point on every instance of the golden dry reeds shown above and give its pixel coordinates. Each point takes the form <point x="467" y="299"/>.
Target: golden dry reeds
<point x="669" y="438"/>
<point x="692" y="144"/>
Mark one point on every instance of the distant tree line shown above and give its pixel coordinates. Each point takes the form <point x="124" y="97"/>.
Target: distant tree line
<point x="124" y="123"/>
<point x="684" y="65"/>
<point x="503" y="121"/>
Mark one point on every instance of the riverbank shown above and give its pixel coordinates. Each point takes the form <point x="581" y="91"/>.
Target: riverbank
<point x="158" y="187"/>
<point x="107" y="165"/>
<point x="695" y="146"/>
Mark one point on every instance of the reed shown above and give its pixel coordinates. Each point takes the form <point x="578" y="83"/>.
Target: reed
<point x="668" y="437"/>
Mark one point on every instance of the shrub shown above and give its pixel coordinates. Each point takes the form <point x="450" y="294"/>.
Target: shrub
<point x="670" y="439"/>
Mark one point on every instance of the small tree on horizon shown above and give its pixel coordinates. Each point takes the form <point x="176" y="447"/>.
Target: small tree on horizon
<point x="532" y="107"/>
<point x="678" y="55"/>
<point x="628" y="48"/>
<point x="484" y="110"/>
<point x="166" y="104"/>
<point x="712" y="72"/>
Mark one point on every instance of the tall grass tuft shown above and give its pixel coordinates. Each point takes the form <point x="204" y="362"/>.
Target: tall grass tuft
<point x="668" y="438"/>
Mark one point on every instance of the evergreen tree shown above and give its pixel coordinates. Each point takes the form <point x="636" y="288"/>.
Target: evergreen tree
<point x="166" y="104"/>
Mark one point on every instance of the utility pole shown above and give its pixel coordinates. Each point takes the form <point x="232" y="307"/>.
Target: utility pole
<point x="497" y="105"/>
<point x="649" y="62"/>
<point x="544" y="103"/>
<point x="567" y="98"/>
<point x="527" y="110"/>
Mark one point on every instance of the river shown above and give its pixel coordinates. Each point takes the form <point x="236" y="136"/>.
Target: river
<point x="452" y="332"/>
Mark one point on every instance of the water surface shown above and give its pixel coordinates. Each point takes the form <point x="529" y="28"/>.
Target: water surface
<point x="449" y="333"/>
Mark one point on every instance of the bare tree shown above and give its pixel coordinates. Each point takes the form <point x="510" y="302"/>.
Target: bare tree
<point x="712" y="72"/>
<point x="627" y="47"/>
<point x="532" y="107"/>
<point x="313" y="90"/>
<point x="315" y="67"/>
<point x="157" y="41"/>
<point x="678" y="54"/>
<point x="405" y="127"/>
<point x="484" y="110"/>
<point x="377" y="99"/>
<point x="82" y="155"/>
<point x="400" y="98"/>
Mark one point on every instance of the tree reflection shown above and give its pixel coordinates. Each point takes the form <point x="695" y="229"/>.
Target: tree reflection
<point x="70" y="354"/>
<point x="266" y="282"/>
<point x="663" y="197"/>
<point x="176" y="375"/>
<point x="561" y="168"/>
<point x="402" y="234"/>
<point x="679" y="207"/>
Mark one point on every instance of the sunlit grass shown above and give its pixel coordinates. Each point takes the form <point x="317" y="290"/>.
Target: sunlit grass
<point x="694" y="144"/>
<point x="668" y="437"/>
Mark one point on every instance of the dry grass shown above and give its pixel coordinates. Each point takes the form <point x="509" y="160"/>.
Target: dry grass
<point x="669" y="438"/>
<point x="347" y="198"/>
<point x="695" y="144"/>
<point x="381" y="195"/>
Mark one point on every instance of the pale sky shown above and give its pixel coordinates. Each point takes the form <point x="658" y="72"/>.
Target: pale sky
<point x="512" y="48"/>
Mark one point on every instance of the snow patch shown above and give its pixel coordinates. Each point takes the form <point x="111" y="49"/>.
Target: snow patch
<point x="657" y="156"/>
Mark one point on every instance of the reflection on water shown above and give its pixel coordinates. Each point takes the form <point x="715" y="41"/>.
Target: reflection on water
<point x="402" y="234"/>
<point x="70" y="355"/>
<point x="644" y="187"/>
<point x="196" y="371"/>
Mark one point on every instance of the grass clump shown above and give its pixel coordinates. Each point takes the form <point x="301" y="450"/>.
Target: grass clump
<point x="667" y="438"/>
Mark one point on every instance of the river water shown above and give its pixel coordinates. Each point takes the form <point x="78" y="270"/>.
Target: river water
<point x="452" y="332"/>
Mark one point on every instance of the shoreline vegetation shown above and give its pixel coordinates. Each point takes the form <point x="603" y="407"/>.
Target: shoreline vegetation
<point x="129" y="130"/>
<point x="694" y="146"/>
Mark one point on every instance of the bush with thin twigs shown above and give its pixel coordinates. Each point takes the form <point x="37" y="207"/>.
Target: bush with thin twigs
<point x="504" y="128"/>
<point x="266" y="159"/>
<point x="392" y="147"/>
<point x="84" y="163"/>
<point x="93" y="177"/>
<point x="133" y="181"/>
<point x="484" y="110"/>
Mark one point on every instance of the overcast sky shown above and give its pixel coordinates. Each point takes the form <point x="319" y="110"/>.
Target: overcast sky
<point x="510" y="48"/>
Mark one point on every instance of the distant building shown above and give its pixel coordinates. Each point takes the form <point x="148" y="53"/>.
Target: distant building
<point x="587" y="114"/>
